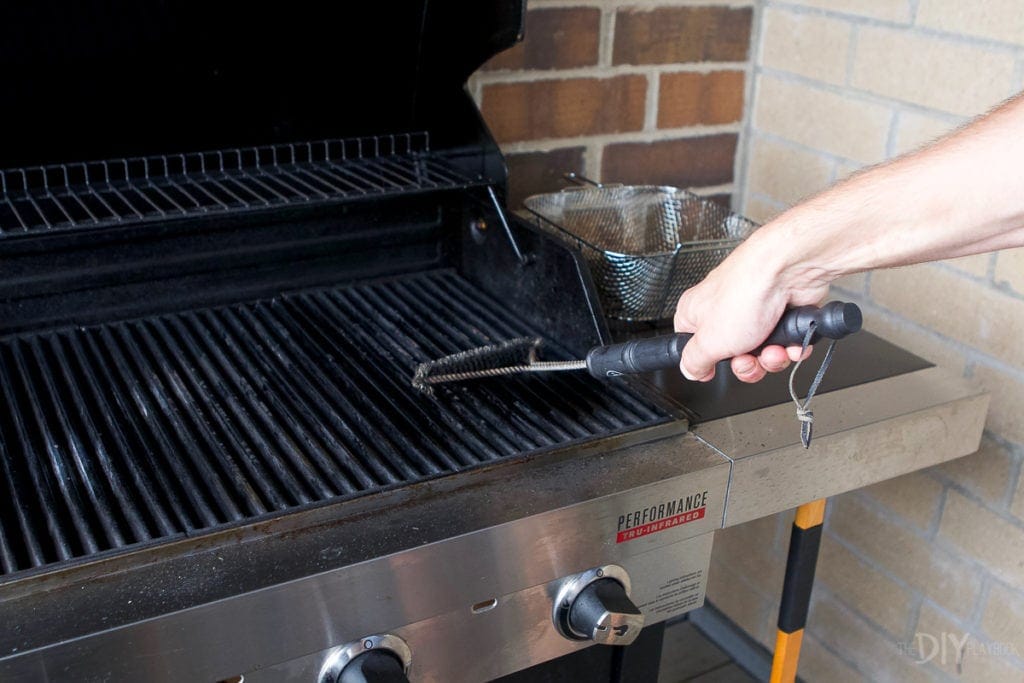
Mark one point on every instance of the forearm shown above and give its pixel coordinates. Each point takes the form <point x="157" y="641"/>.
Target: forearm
<point x="960" y="196"/>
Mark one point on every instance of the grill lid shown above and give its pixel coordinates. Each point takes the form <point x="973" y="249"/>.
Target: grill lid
<point x="101" y="79"/>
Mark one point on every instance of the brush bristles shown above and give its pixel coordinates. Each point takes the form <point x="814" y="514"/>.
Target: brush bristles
<point x="476" y="362"/>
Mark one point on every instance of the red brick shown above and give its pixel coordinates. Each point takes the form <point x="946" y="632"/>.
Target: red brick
<point x="554" y="39"/>
<point x="564" y="108"/>
<point x="670" y="35"/>
<point x="532" y="173"/>
<point x="686" y="162"/>
<point x="690" y="99"/>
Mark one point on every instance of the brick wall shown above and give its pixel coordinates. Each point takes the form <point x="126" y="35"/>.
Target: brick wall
<point x="840" y="84"/>
<point x="649" y="91"/>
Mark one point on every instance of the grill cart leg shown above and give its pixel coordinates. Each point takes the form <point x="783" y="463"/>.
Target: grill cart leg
<point x="796" y="589"/>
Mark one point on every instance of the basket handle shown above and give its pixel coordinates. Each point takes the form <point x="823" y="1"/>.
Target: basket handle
<point x="582" y="181"/>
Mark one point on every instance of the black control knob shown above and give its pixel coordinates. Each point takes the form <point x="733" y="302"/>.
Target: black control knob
<point x="603" y="612"/>
<point x="374" y="666"/>
<point x="383" y="658"/>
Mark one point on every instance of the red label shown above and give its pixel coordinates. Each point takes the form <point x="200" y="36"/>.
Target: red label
<point x="660" y="525"/>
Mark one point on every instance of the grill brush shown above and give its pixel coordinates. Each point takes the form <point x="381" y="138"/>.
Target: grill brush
<point x="834" y="320"/>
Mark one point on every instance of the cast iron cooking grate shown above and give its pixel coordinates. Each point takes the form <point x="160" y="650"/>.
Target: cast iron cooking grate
<point x="127" y="432"/>
<point x="97" y="194"/>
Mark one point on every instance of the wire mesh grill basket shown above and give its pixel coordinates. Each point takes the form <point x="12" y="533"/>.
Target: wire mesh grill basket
<point x="644" y="245"/>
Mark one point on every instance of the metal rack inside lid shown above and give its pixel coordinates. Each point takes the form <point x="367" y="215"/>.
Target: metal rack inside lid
<point x="95" y="194"/>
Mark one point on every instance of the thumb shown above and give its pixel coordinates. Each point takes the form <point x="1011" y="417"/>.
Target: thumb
<point x="696" y="364"/>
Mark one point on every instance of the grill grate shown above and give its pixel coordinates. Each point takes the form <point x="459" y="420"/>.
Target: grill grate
<point x="97" y="194"/>
<point x="133" y="431"/>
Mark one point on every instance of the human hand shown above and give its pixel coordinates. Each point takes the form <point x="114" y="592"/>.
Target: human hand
<point x="734" y="309"/>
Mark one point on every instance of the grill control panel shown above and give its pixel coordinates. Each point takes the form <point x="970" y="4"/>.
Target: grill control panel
<point x="479" y="606"/>
<point x="607" y="604"/>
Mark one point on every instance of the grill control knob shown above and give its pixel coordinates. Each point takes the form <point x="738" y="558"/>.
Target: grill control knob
<point x="604" y="613"/>
<point x="595" y="605"/>
<point x="373" y="659"/>
<point x="380" y="666"/>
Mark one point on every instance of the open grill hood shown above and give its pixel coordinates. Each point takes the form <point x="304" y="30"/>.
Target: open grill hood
<point x="101" y="79"/>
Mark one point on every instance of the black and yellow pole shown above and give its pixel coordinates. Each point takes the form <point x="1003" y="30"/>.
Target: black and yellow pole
<point x="796" y="589"/>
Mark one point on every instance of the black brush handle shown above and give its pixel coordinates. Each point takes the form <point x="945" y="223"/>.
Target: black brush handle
<point x="834" y="320"/>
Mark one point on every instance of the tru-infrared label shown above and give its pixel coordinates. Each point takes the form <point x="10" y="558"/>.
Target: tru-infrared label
<point x="664" y="515"/>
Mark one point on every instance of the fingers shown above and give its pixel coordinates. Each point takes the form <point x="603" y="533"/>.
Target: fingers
<point x="794" y="353"/>
<point x="700" y="377"/>
<point x="748" y="369"/>
<point x="774" y="358"/>
<point x="696" y="365"/>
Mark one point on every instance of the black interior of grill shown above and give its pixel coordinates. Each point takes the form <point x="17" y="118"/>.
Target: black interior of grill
<point x="191" y="339"/>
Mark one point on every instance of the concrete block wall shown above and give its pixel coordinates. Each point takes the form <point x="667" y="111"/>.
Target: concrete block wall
<point x="920" y="578"/>
<point x="649" y="91"/>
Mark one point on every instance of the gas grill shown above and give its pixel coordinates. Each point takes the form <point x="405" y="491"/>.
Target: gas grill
<point x="213" y="465"/>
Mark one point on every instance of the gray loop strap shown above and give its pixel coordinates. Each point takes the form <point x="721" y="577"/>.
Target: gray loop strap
<point x="803" y="411"/>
